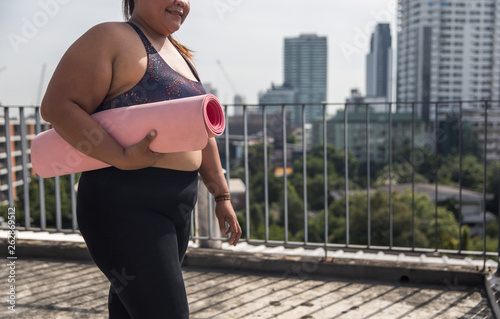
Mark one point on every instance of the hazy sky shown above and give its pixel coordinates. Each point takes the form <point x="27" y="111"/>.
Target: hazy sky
<point x="245" y="35"/>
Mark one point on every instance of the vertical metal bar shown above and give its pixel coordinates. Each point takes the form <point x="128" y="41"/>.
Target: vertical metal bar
<point x="58" y="203"/>
<point x="285" y="177"/>
<point x="498" y="233"/>
<point x="413" y="176"/>
<point x="41" y="183"/>
<point x="226" y="141"/>
<point x="436" y="163"/>
<point x="346" y="164"/>
<point x="266" y="180"/>
<point x="325" y="169"/>
<point x="391" y="235"/>
<point x="24" y="161"/>
<point x="10" y="172"/>
<point x="304" y="172"/>
<point x="74" y="223"/>
<point x="368" y="208"/>
<point x="247" y="182"/>
<point x="210" y="215"/>
<point x="460" y="157"/>
<point x="485" y="167"/>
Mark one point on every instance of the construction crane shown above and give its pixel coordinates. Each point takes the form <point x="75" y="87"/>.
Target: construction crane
<point x="228" y="79"/>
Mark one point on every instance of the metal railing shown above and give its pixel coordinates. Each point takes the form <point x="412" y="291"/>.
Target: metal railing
<point x="273" y="121"/>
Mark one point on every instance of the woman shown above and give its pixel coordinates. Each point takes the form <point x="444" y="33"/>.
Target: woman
<point x="135" y="215"/>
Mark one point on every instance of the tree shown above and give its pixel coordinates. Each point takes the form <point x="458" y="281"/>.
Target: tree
<point x="472" y="172"/>
<point x="315" y="175"/>
<point x="421" y="232"/>
<point x="50" y="203"/>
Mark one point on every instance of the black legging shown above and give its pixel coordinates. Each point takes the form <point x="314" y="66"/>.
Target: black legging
<point x="136" y="225"/>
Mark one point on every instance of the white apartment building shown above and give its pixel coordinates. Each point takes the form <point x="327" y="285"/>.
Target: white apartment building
<point x="474" y="119"/>
<point x="13" y="138"/>
<point x="447" y="51"/>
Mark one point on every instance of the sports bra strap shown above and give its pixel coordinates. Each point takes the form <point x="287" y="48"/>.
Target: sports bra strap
<point x="149" y="47"/>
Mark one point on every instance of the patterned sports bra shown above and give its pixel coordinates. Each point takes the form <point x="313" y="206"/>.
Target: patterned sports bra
<point x="159" y="83"/>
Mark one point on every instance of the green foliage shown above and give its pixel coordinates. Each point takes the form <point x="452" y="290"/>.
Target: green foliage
<point x="422" y="159"/>
<point x="315" y="175"/>
<point x="472" y="172"/>
<point x="50" y="203"/>
<point x="423" y="234"/>
<point x="401" y="173"/>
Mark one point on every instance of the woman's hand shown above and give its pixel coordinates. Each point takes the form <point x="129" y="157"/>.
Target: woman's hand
<point x="225" y="214"/>
<point x="139" y="155"/>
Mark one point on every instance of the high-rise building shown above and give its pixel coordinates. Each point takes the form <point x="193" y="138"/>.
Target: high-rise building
<point x="305" y="66"/>
<point x="447" y="51"/>
<point x="379" y="63"/>
<point x="11" y="178"/>
<point x="277" y="95"/>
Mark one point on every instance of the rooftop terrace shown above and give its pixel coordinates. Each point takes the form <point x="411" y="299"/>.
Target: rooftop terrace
<point x="374" y="256"/>
<point x="231" y="283"/>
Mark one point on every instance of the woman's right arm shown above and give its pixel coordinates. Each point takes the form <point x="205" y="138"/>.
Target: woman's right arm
<point x="79" y="84"/>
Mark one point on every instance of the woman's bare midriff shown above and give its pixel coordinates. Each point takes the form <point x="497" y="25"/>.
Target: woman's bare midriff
<point x="185" y="161"/>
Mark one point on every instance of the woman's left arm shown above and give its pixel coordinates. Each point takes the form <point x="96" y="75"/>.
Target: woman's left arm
<point x="215" y="181"/>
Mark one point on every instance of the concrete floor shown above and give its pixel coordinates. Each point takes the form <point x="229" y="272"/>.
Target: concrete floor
<point x="74" y="289"/>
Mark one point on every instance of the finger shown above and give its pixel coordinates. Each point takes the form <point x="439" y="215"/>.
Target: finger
<point x="235" y="231"/>
<point x="148" y="138"/>
<point x="222" y="226"/>
<point x="235" y="237"/>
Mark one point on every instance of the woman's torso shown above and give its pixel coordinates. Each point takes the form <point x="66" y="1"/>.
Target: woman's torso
<point x="144" y="73"/>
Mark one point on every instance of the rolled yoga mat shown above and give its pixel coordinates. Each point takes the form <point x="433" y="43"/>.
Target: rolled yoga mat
<point x="182" y="125"/>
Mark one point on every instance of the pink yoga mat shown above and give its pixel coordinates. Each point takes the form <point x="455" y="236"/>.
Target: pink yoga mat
<point x="182" y="125"/>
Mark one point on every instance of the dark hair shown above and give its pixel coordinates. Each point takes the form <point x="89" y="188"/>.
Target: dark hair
<point x="128" y="9"/>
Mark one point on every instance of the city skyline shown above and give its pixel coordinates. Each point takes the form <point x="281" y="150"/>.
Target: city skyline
<point x="246" y="36"/>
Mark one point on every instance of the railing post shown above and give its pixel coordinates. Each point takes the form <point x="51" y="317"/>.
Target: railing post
<point x="436" y="163"/>
<point x="391" y="239"/>
<point x="266" y="173"/>
<point x="285" y="177"/>
<point x="368" y="207"/>
<point x="346" y="164"/>
<point x="485" y="167"/>
<point x="413" y="176"/>
<point x="247" y="179"/>
<point x="41" y="183"/>
<point x="24" y="161"/>
<point x="460" y="164"/>
<point x="57" y="190"/>
<point x="304" y="172"/>
<point x="74" y="223"/>
<point x="204" y="228"/>
<point x="498" y="233"/>
<point x="325" y="168"/>
<point x="226" y="146"/>
<point x="8" y="148"/>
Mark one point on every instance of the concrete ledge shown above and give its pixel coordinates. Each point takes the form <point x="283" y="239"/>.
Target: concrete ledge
<point x="50" y="249"/>
<point x="304" y="267"/>
<point x="284" y="265"/>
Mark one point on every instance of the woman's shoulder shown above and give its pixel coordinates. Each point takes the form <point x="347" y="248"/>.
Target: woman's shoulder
<point x="108" y="32"/>
<point x="104" y="39"/>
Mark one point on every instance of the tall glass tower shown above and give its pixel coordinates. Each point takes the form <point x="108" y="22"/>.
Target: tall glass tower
<point x="305" y="64"/>
<point x="447" y="51"/>
<point x="379" y="63"/>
